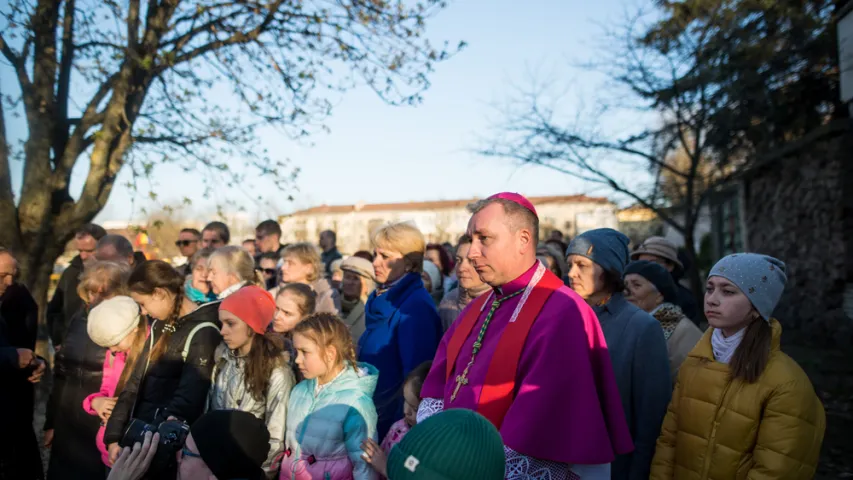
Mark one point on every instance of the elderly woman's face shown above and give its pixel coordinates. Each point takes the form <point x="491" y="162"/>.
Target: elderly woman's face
<point x="388" y="265"/>
<point x="642" y="292"/>
<point x="585" y="276"/>
<point x="351" y="285"/>
<point x="199" y="276"/>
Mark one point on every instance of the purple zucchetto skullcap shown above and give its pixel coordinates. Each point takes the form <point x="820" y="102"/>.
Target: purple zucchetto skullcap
<point x="517" y="199"/>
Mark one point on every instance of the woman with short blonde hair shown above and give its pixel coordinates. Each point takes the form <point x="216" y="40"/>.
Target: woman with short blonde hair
<point x="229" y="269"/>
<point x="404" y="239"/>
<point x="402" y="327"/>
<point x="301" y="264"/>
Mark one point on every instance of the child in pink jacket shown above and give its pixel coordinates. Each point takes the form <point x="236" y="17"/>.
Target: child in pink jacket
<point x="115" y="324"/>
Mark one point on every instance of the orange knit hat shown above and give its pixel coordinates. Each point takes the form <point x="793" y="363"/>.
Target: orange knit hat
<point x="253" y="305"/>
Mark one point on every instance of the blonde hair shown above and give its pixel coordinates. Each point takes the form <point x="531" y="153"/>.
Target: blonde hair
<point x="109" y="277"/>
<point x="327" y="330"/>
<point x="405" y="238"/>
<point x="240" y="263"/>
<point x="308" y="254"/>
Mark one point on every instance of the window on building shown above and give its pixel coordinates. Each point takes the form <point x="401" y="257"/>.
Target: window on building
<point x="729" y="225"/>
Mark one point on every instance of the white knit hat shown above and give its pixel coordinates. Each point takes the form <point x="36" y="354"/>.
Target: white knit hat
<point x="111" y="320"/>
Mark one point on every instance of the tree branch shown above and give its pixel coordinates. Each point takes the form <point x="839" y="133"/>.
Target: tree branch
<point x="60" y="138"/>
<point x="17" y="62"/>
<point x="237" y="38"/>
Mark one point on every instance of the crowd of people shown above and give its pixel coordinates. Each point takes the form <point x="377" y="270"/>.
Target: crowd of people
<point x="498" y="357"/>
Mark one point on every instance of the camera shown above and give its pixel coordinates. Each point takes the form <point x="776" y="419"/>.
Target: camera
<point x="173" y="434"/>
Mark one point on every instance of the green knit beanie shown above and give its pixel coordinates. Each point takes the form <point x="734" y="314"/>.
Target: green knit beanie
<point x="455" y="444"/>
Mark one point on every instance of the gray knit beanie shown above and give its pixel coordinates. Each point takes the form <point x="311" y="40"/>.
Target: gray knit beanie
<point x="760" y="277"/>
<point x="604" y="246"/>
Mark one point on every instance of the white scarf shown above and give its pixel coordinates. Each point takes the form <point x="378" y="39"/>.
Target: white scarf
<point x="228" y="291"/>
<point x="724" y="347"/>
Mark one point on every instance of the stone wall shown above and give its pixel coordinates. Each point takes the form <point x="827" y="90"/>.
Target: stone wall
<point x="798" y="208"/>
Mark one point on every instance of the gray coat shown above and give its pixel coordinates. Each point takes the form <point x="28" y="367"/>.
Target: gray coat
<point x="638" y="351"/>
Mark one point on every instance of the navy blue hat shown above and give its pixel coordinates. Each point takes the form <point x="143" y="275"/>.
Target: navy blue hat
<point x="658" y="276"/>
<point x="604" y="246"/>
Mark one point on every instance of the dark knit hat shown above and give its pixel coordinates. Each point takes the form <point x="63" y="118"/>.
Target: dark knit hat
<point x="658" y="276"/>
<point x="455" y="444"/>
<point x="604" y="246"/>
<point x="232" y="443"/>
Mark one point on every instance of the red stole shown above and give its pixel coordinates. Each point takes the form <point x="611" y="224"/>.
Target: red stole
<point x="498" y="390"/>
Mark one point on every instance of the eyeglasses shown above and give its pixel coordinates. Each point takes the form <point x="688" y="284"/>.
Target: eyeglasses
<point x="185" y="243"/>
<point x="189" y="453"/>
<point x="268" y="271"/>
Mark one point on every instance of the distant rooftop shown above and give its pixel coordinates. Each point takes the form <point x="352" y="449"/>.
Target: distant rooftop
<point x="436" y="205"/>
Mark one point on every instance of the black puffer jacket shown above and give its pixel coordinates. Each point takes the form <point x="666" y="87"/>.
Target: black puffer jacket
<point x="170" y="386"/>
<point x="65" y="302"/>
<point x="78" y="370"/>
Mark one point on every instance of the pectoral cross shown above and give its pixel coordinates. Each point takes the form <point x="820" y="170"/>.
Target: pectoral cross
<point x="461" y="380"/>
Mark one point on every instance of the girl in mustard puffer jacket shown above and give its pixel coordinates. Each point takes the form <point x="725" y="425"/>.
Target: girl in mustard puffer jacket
<point x="741" y="408"/>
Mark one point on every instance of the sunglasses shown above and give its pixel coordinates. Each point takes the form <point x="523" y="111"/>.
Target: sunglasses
<point x="268" y="271"/>
<point x="185" y="243"/>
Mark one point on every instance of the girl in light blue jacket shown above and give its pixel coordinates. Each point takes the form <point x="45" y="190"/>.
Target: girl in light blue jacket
<point x="331" y="412"/>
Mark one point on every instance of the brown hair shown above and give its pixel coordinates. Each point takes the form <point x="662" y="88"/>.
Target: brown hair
<point x="752" y="355"/>
<point x="327" y="330"/>
<point x="133" y="354"/>
<point x="306" y="298"/>
<point x="148" y="277"/>
<point x="240" y="263"/>
<point x="308" y="254"/>
<point x="266" y="355"/>
<point x="109" y="277"/>
<point x="417" y="377"/>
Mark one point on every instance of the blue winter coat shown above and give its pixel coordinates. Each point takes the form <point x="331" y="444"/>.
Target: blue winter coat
<point x="325" y="429"/>
<point x="640" y="360"/>
<point x="402" y="330"/>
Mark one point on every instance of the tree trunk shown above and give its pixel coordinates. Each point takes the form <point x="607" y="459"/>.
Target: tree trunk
<point x="692" y="273"/>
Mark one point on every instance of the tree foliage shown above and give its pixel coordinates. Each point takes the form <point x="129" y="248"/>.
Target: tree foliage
<point x="772" y="66"/>
<point x="719" y="79"/>
<point x="133" y="83"/>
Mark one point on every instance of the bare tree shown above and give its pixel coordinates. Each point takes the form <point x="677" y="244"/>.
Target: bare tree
<point x="666" y="166"/>
<point x="133" y="83"/>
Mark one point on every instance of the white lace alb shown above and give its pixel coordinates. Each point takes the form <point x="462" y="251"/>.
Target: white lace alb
<point x="429" y="407"/>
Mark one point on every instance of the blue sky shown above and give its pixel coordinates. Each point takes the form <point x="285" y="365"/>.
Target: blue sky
<point x="378" y="153"/>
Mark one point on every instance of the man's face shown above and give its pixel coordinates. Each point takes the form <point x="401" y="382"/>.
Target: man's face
<point x="210" y="238"/>
<point x="326" y="242"/>
<point x="85" y="244"/>
<point x="8" y="271"/>
<point x="187" y="243"/>
<point x="267" y="242"/>
<point x="496" y="251"/>
<point x="190" y="466"/>
<point x="249" y="246"/>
